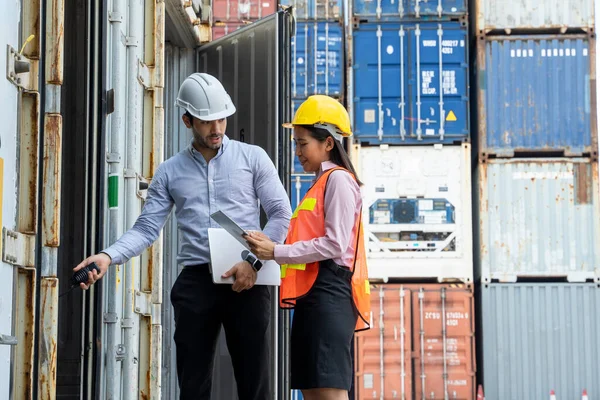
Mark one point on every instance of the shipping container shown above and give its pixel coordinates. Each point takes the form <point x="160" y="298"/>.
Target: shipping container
<point x="531" y="14"/>
<point x="221" y="29"/>
<point x="318" y="59"/>
<point x="406" y="10"/>
<point x="299" y="185"/>
<point x="315" y="10"/>
<point x="411" y="83"/>
<point x="417" y="211"/>
<point x="537" y="94"/>
<point x="421" y="344"/>
<point x="242" y="10"/>
<point x="9" y="184"/>
<point x="538" y="218"/>
<point x="540" y="337"/>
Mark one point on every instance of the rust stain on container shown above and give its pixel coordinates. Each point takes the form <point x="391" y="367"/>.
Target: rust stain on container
<point x="24" y="320"/>
<point x="47" y="355"/>
<point x="55" y="27"/>
<point x="28" y="169"/>
<point x="52" y="180"/>
<point x="407" y="353"/>
<point x="31" y="26"/>
<point x="583" y="183"/>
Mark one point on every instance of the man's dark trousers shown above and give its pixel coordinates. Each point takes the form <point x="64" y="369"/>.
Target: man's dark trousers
<point x="200" y="308"/>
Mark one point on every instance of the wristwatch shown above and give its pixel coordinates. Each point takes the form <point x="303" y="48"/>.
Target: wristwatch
<point x="255" y="262"/>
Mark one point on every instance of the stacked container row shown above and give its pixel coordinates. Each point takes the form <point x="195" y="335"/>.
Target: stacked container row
<point x="536" y="186"/>
<point x="409" y="100"/>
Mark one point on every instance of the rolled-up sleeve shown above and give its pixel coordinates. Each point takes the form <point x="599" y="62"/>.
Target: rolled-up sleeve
<point x="340" y="210"/>
<point x="272" y="196"/>
<point x="148" y="225"/>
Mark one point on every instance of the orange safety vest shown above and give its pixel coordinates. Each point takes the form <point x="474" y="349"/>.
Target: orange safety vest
<point x="308" y="222"/>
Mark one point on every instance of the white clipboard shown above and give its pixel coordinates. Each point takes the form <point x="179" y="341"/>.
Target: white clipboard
<point x="226" y="251"/>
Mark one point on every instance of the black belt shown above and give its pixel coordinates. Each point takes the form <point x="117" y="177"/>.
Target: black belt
<point x="343" y="272"/>
<point x="197" y="267"/>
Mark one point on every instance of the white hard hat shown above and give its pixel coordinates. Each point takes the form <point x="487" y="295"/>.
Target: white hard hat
<point x="204" y="97"/>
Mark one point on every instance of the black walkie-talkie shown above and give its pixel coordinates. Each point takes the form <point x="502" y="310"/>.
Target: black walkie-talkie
<point x="81" y="276"/>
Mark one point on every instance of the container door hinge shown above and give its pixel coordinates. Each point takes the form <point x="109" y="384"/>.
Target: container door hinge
<point x="17" y="68"/>
<point x="146" y="75"/>
<point x="8" y="340"/>
<point x="120" y="352"/>
<point x="144" y="306"/>
<point x="18" y="249"/>
<point x="110" y="318"/>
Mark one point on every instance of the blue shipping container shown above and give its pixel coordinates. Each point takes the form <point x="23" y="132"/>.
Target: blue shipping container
<point x="402" y="10"/>
<point x="318" y="59"/>
<point x="299" y="185"/>
<point x="534" y="95"/>
<point x="398" y="72"/>
<point x="315" y="10"/>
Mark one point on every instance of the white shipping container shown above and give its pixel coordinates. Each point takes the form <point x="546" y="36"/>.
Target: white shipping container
<point x="417" y="211"/>
<point x="9" y="34"/>
<point x="538" y="218"/>
<point x="529" y="14"/>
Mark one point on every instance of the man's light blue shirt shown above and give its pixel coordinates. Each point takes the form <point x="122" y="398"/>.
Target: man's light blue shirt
<point x="237" y="181"/>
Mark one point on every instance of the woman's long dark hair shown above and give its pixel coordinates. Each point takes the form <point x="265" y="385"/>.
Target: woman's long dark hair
<point x="338" y="154"/>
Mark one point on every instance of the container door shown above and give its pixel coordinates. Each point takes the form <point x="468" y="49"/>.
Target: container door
<point x="383" y="353"/>
<point x="443" y="337"/>
<point x="253" y="65"/>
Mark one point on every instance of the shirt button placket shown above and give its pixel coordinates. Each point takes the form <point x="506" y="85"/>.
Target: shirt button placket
<point x="211" y="190"/>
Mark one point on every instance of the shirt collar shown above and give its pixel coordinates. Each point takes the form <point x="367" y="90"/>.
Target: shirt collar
<point x="195" y="153"/>
<point x="325" y="166"/>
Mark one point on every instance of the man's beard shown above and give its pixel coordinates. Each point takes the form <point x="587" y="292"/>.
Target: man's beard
<point x="204" y="142"/>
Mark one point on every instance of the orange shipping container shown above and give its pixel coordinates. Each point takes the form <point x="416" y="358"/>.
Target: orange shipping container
<point x="408" y="352"/>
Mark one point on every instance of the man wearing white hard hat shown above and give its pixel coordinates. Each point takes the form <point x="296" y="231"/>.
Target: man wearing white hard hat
<point x="213" y="173"/>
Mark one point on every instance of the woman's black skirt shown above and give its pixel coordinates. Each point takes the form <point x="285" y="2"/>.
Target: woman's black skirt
<point x="322" y="331"/>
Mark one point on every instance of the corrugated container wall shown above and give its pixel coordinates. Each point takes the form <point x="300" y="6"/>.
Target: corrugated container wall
<point x="316" y="10"/>
<point x="421" y="344"/>
<point x="242" y="10"/>
<point x="411" y="83"/>
<point x="539" y="218"/>
<point x="9" y="35"/>
<point x="537" y="93"/>
<point x="533" y="14"/>
<point x="395" y="10"/>
<point x="540" y="337"/>
<point x="318" y="59"/>
<point x="417" y="211"/>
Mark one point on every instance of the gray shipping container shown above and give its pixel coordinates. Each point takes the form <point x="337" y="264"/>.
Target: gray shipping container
<point x="540" y="337"/>
<point x="538" y="218"/>
<point x="533" y="14"/>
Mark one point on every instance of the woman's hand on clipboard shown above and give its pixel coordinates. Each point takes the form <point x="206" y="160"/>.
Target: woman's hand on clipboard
<point x="261" y="245"/>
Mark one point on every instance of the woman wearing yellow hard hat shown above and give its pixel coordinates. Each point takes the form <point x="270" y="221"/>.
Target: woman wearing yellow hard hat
<point x="323" y="263"/>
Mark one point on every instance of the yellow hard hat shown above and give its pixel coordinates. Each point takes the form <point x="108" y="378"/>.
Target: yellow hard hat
<point x="322" y="110"/>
